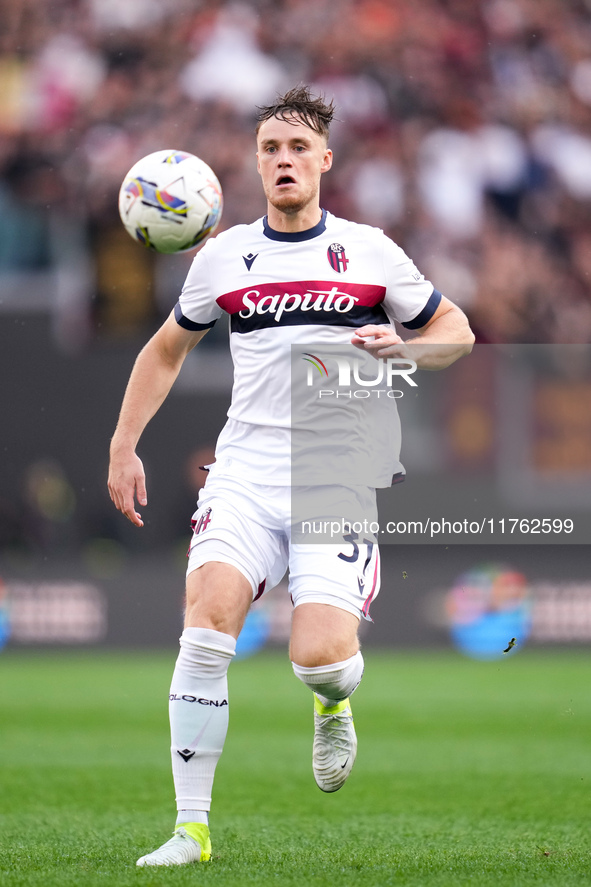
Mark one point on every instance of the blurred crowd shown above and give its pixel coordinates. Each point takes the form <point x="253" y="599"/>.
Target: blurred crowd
<point x="464" y="132"/>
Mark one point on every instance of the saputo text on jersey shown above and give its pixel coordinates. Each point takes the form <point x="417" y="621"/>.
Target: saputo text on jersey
<point x="315" y="300"/>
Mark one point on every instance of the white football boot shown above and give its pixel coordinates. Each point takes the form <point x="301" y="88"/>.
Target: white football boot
<point x="335" y="744"/>
<point x="189" y="843"/>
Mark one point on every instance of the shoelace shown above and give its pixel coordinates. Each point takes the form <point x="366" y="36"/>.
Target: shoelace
<point x="338" y="727"/>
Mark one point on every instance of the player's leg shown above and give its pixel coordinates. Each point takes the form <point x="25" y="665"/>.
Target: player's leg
<point x="233" y="558"/>
<point x="325" y="655"/>
<point x="332" y="587"/>
<point x="218" y="599"/>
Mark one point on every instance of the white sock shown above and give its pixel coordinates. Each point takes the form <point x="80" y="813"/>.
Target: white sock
<point x="335" y="682"/>
<point x="192" y="816"/>
<point x="198" y="709"/>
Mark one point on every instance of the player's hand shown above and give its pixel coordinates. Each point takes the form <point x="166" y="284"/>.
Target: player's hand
<point x="127" y="481"/>
<point x="380" y="341"/>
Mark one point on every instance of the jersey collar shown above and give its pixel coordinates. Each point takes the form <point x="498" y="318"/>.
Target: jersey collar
<point x="295" y="236"/>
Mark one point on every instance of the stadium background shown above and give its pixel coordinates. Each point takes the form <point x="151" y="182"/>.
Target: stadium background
<point x="464" y="131"/>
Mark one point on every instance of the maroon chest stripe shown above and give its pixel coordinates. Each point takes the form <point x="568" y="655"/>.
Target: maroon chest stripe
<point x="304" y="302"/>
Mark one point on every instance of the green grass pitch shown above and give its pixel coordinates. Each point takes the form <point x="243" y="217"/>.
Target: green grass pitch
<point x="467" y="773"/>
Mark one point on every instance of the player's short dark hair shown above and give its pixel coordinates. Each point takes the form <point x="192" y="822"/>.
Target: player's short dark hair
<point x="298" y="102"/>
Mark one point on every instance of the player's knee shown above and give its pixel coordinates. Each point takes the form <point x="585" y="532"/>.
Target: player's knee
<point x="202" y="613"/>
<point x="322" y="634"/>
<point x="218" y="597"/>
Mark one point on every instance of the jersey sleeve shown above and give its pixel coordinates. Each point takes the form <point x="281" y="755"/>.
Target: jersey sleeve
<point x="410" y="298"/>
<point x="197" y="308"/>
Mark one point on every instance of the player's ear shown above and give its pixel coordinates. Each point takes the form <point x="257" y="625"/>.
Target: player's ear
<point x="258" y="164"/>
<point x="327" y="161"/>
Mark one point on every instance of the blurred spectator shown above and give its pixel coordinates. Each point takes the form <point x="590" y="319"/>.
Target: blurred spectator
<point x="230" y="66"/>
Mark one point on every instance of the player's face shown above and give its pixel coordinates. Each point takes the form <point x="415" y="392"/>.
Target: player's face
<point x="291" y="157"/>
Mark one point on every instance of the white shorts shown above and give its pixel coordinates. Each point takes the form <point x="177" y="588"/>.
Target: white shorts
<point x="248" y="526"/>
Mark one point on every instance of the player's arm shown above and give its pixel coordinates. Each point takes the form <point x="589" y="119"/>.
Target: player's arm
<point x="444" y="338"/>
<point x="156" y="368"/>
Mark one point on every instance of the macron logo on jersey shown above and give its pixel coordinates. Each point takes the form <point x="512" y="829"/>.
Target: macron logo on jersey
<point x="304" y="302"/>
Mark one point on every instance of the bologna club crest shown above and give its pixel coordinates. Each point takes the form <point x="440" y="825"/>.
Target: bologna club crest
<point x="201" y="524"/>
<point x="337" y="258"/>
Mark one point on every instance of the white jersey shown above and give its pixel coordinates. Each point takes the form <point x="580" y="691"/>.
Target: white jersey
<point x="284" y="289"/>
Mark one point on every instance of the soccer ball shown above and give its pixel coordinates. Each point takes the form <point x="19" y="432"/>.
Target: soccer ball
<point x="170" y="201"/>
